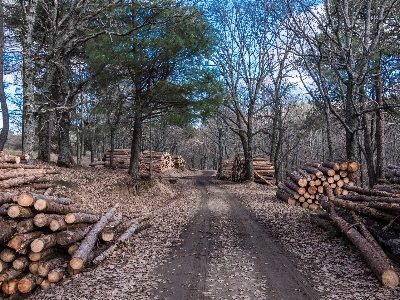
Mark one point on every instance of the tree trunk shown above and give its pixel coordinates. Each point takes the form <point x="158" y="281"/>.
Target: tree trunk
<point x="64" y="154"/>
<point x="3" y="101"/>
<point x="135" y="147"/>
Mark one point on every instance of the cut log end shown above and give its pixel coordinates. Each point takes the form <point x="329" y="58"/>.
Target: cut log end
<point x="390" y="278"/>
<point x="70" y="218"/>
<point x="76" y="263"/>
<point x="25" y="199"/>
<point x="40" y="204"/>
<point x="37" y="245"/>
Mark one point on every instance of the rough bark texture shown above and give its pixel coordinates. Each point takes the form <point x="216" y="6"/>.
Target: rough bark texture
<point x="80" y="256"/>
<point x="72" y="236"/>
<point x="74" y="218"/>
<point x="8" y="228"/>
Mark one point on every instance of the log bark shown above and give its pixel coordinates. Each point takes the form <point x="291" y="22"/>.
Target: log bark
<point x="17" y="211"/>
<point x="298" y="179"/>
<point x="134" y="228"/>
<point x="371" y="192"/>
<point x="8" y="229"/>
<point x="4" y="266"/>
<point x="378" y="264"/>
<point x="46" y="267"/>
<point x="68" y="237"/>
<point x="26" y="226"/>
<point x="331" y="165"/>
<point x="28" y="199"/>
<point x="327" y="171"/>
<point x="44" y="254"/>
<point x="42" y="220"/>
<point x="5" y="184"/>
<point x="56" y="274"/>
<point x="80" y="256"/>
<point x="366" y="198"/>
<point x="20" y="242"/>
<point x="57" y="208"/>
<point x="6" y="197"/>
<point x="44" y="242"/>
<point x="73" y="218"/>
<point x="45" y="285"/>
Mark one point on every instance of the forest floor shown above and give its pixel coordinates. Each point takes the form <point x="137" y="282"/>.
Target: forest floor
<point x="212" y="239"/>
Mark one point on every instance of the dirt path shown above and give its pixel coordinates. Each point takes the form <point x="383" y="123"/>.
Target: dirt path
<point x="226" y="254"/>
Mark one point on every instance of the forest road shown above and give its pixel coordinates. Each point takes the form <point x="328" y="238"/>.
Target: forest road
<point x="226" y="254"/>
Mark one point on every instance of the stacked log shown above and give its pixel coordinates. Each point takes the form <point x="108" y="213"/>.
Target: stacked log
<point x="39" y="237"/>
<point x="234" y="169"/>
<point x="12" y="159"/>
<point x="227" y="165"/>
<point x="179" y="162"/>
<point x="305" y="186"/>
<point x="121" y="158"/>
<point x="161" y="162"/>
<point x="13" y="174"/>
<point x="369" y="218"/>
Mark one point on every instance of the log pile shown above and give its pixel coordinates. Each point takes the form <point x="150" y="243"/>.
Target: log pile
<point x="12" y="159"/>
<point x="234" y="169"/>
<point x="227" y="165"/>
<point x="44" y="238"/>
<point x="179" y="162"/>
<point x="121" y="158"/>
<point x="305" y="186"/>
<point x="161" y="161"/>
<point x="12" y="174"/>
<point x="369" y="218"/>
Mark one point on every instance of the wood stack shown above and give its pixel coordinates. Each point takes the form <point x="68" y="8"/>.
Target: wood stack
<point x="161" y="161"/>
<point x="264" y="171"/>
<point x="12" y="174"/>
<point x="179" y="162"/>
<point x="369" y="218"/>
<point x="44" y="238"/>
<point x="227" y="165"/>
<point x="305" y="186"/>
<point x="121" y="158"/>
<point x="234" y="169"/>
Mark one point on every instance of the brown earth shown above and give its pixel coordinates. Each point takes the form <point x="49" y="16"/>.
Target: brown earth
<point x="212" y="239"/>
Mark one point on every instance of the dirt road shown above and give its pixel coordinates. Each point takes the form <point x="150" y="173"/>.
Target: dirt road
<point x="226" y="254"/>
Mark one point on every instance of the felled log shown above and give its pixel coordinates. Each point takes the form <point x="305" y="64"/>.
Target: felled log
<point x="26" y="226"/>
<point x="5" y="184"/>
<point x="48" y="206"/>
<point x="10" y="286"/>
<point x="29" y="282"/>
<point x="29" y="199"/>
<point x="17" y="211"/>
<point x="73" y="218"/>
<point x="4" y="266"/>
<point x="6" y="197"/>
<point x="298" y="179"/>
<point x="42" y="255"/>
<point x="8" y="228"/>
<point x="56" y="274"/>
<point x="378" y="264"/>
<point x="8" y="255"/>
<point x="42" y="220"/>
<point x="108" y="232"/>
<point x="134" y="228"/>
<point x="80" y="256"/>
<point x="58" y="223"/>
<point x="365" y="198"/>
<point x="46" y="267"/>
<point x="21" y="241"/>
<point x="44" y="242"/>
<point x="10" y="274"/>
<point x="371" y="192"/>
<point x="72" y="236"/>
